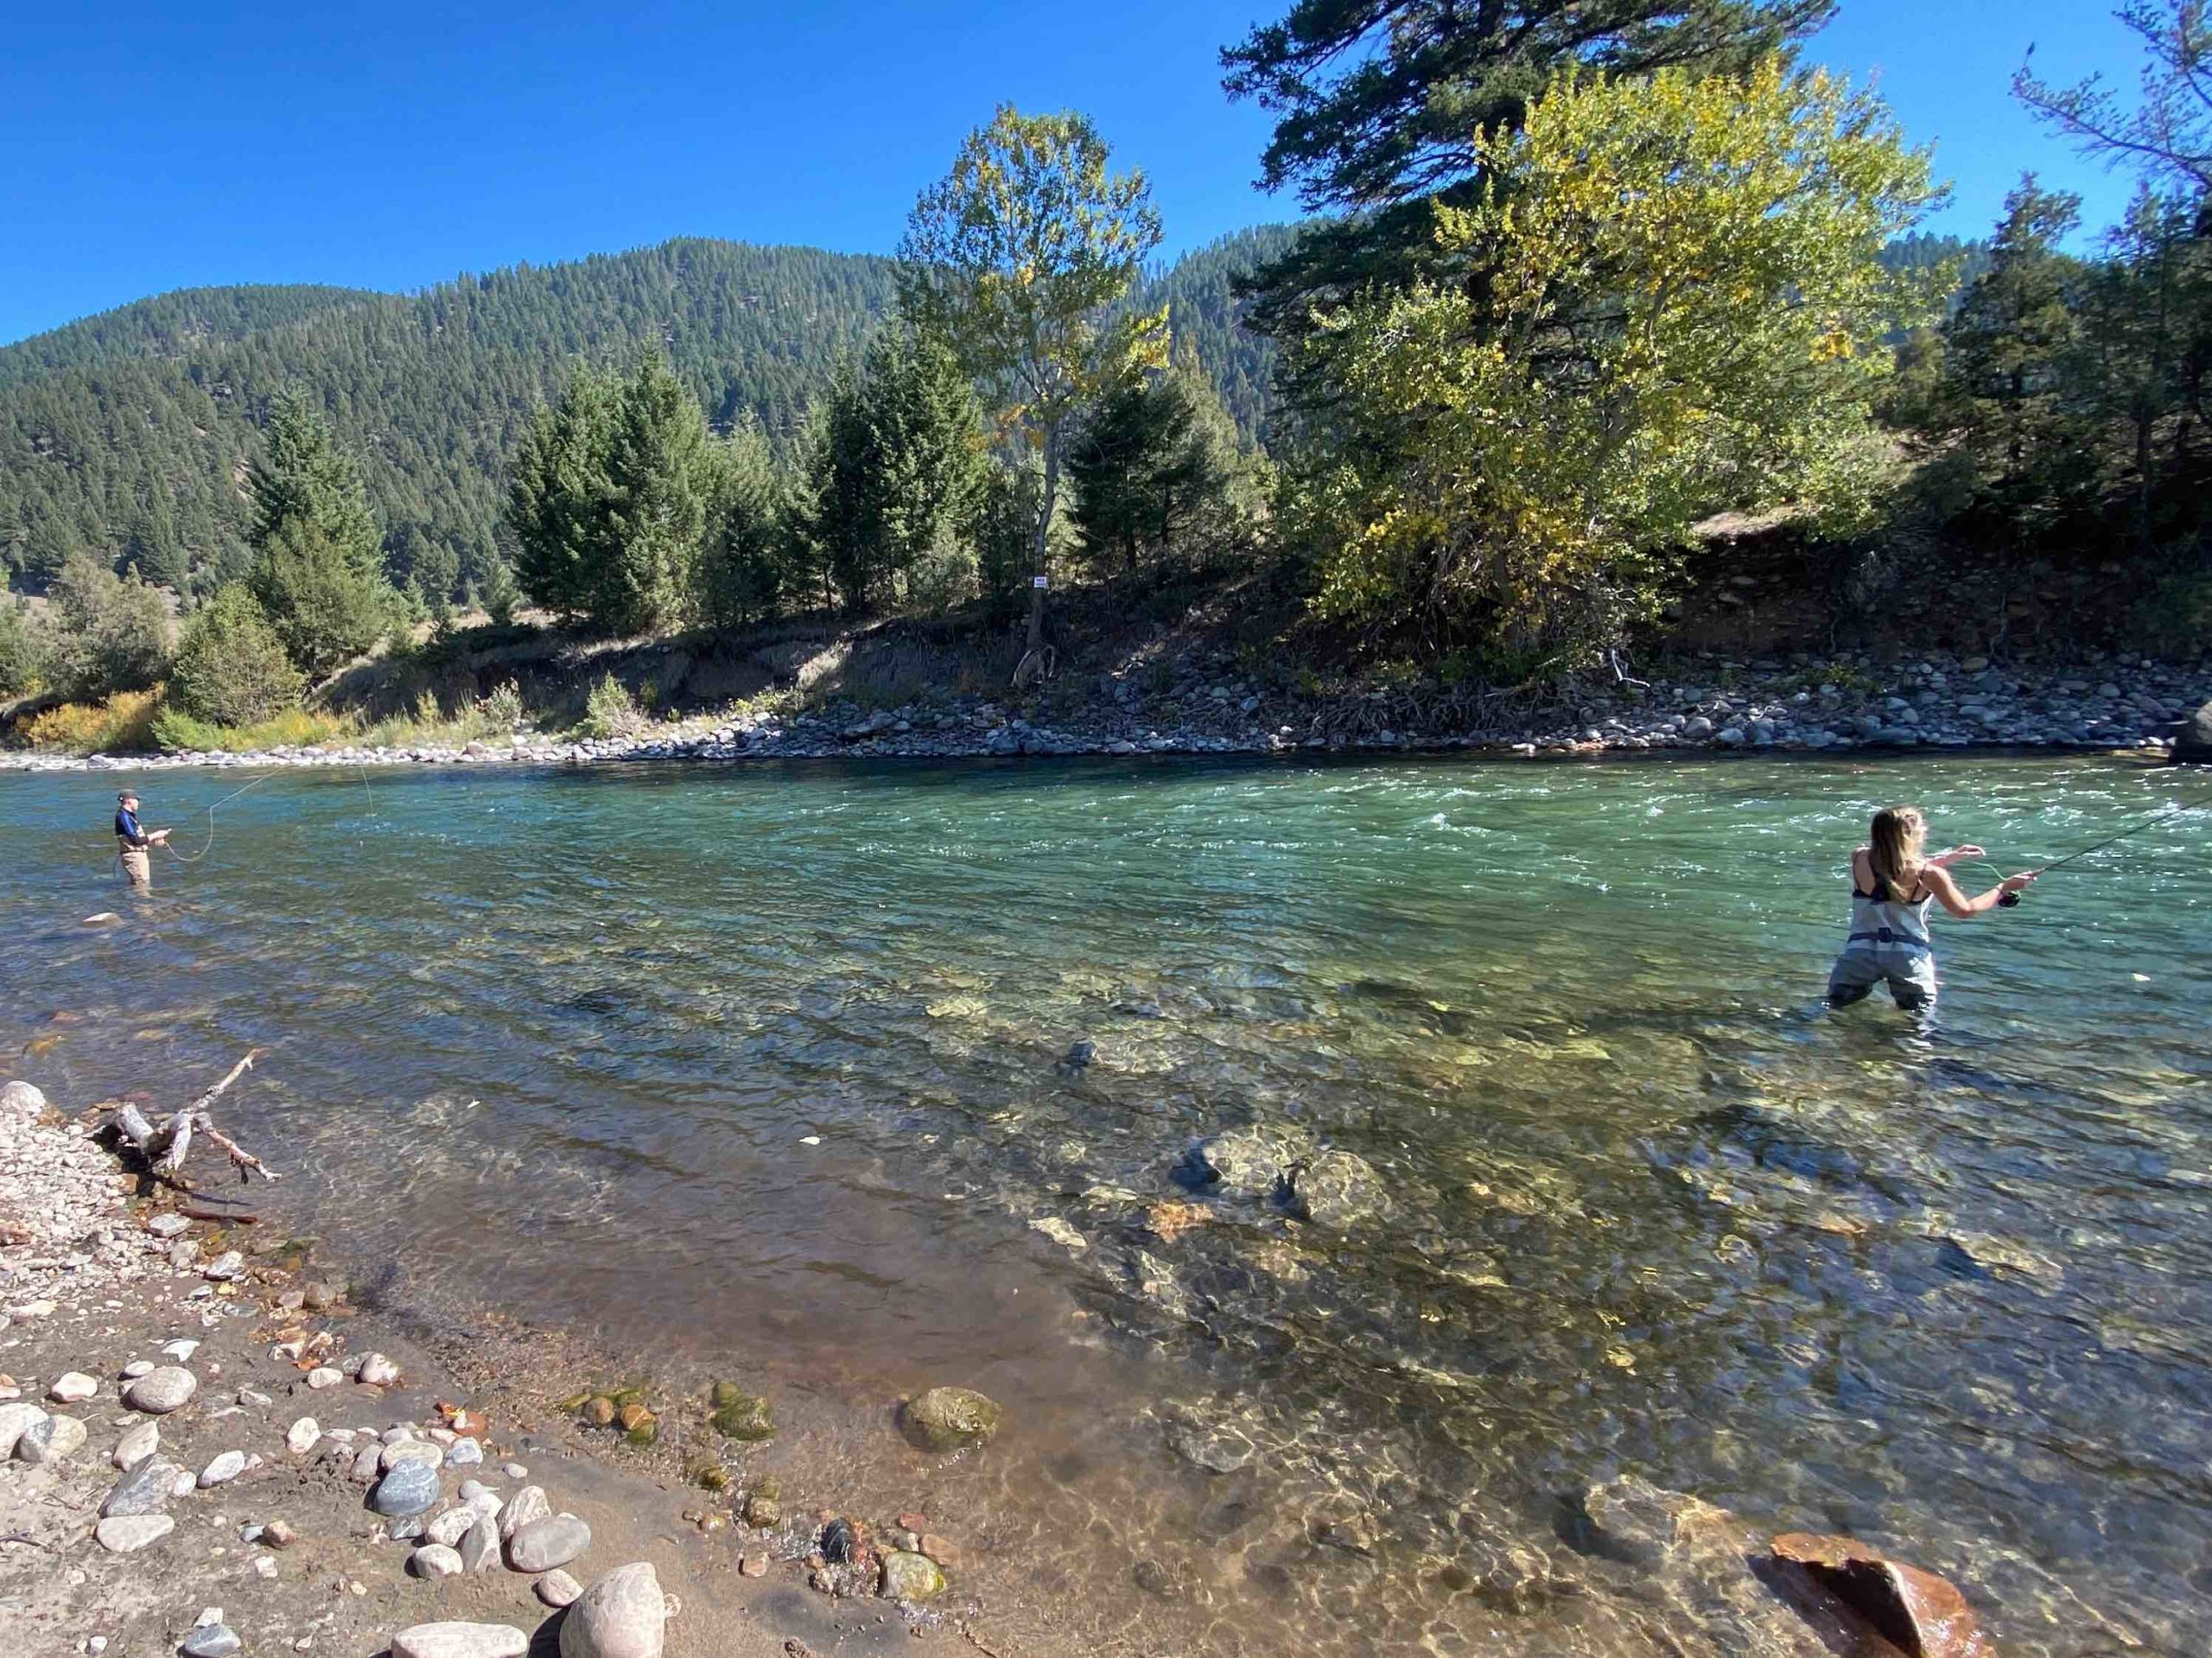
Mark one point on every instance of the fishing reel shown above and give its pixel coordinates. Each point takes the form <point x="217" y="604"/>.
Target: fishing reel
<point x="2009" y="901"/>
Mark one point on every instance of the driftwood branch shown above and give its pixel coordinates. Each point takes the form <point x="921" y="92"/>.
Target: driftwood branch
<point x="170" y="1142"/>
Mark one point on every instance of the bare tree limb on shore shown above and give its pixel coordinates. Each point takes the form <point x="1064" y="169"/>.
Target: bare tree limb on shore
<point x="170" y="1142"/>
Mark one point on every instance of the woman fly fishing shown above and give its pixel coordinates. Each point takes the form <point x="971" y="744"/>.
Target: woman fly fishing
<point x="1893" y="884"/>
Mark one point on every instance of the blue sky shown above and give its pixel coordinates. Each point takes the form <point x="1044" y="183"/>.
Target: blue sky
<point x="165" y="146"/>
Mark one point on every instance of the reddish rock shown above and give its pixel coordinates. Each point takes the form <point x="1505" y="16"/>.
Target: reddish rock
<point x="1917" y="1611"/>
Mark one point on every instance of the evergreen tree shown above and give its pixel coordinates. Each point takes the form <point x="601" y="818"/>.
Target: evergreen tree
<point x="1383" y="106"/>
<point x="744" y="564"/>
<point x="659" y="473"/>
<point x="1158" y="471"/>
<point x="557" y="492"/>
<point x="318" y="565"/>
<point x="890" y="465"/>
<point x="231" y="666"/>
<point x="2005" y="354"/>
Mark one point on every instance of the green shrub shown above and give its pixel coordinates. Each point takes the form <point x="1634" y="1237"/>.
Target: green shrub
<point x="500" y="595"/>
<point x="110" y="633"/>
<point x="502" y="707"/>
<point x="232" y="669"/>
<point x="610" y="711"/>
<point x="22" y="652"/>
<point x="121" y="724"/>
<point x="178" y="733"/>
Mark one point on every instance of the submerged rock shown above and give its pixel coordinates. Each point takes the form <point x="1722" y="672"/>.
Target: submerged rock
<point x="740" y="1416"/>
<point x="911" y="1576"/>
<point x="1254" y="1162"/>
<point x="946" y="1419"/>
<point x="1917" y="1610"/>
<point x="1339" y="1189"/>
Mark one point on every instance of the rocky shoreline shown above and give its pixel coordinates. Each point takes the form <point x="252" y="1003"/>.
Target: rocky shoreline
<point x="202" y="1453"/>
<point x="1803" y="705"/>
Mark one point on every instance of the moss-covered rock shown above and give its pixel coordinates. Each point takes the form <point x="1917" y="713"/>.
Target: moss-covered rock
<point x="908" y="1576"/>
<point x="946" y="1419"/>
<point x="742" y="1415"/>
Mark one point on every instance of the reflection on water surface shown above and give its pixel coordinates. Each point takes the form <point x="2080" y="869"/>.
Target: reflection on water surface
<point x="761" y="1072"/>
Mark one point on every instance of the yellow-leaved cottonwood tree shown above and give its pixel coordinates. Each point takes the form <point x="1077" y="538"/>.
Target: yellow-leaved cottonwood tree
<point x="1018" y="260"/>
<point x="1670" y="303"/>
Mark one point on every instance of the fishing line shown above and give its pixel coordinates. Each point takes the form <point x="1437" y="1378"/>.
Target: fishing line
<point x="2012" y="899"/>
<point x="194" y="857"/>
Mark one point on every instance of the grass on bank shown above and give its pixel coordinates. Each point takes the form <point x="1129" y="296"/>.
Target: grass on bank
<point x="142" y="722"/>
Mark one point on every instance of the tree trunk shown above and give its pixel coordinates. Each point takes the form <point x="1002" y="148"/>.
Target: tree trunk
<point x="1038" y="579"/>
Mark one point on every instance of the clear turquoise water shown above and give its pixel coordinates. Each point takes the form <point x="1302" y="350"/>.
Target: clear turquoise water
<point x="752" y="1072"/>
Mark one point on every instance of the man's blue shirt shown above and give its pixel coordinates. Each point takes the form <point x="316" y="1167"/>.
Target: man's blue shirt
<point x="126" y="828"/>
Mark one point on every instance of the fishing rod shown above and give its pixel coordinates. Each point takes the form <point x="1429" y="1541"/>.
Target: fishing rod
<point x="2010" y="900"/>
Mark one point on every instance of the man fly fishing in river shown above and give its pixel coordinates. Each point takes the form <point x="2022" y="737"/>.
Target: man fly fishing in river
<point x="133" y="844"/>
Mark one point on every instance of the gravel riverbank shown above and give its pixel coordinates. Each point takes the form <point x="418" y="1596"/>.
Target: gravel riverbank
<point x="1206" y="707"/>
<point x="206" y="1449"/>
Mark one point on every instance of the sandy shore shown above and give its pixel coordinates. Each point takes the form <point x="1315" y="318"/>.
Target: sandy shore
<point x="253" y="1527"/>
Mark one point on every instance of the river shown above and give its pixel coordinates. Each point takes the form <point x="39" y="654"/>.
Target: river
<point x="759" y="1071"/>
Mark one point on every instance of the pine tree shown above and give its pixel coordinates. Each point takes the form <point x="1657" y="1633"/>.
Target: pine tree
<point x="557" y="490"/>
<point x="1158" y="471"/>
<point x="2006" y="353"/>
<point x="318" y="565"/>
<point x="658" y="482"/>
<point x="744" y="566"/>
<point x="1381" y="105"/>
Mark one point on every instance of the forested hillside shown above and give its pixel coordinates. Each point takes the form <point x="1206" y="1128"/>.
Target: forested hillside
<point x="126" y="435"/>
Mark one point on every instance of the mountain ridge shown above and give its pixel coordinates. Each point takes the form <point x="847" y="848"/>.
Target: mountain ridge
<point x="123" y="433"/>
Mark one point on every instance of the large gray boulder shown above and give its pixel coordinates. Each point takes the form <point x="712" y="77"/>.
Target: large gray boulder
<point x="2193" y="737"/>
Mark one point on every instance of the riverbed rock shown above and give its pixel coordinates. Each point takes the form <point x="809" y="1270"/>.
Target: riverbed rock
<point x="223" y="1469"/>
<point x="911" y="1576"/>
<point x="459" y="1641"/>
<point x="479" y="1544"/>
<point x="16" y="1419"/>
<point x="216" y="1640"/>
<point x="50" y="1439"/>
<point x="159" y="1392"/>
<point x="376" y="1371"/>
<point x="301" y="1436"/>
<point x="71" y="1387"/>
<point x="544" y="1544"/>
<point x="434" y="1560"/>
<point x="557" y="1589"/>
<point x="138" y="1442"/>
<point x="743" y="1416"/>
<point x="1339" y="1189"/>
<point x="454" y="1524"/>
<point x="127" y="1534"/>
<point x="1253" y="1162"/>
<point x="407" y="1487"/>
<point x="22" y="1098"/>
<point x="946" y="1419"/>
<point x="623" y="1614"/>
<point x="145" y="1487"/>
<point x="524" y="1506"/>
<point x="1917" y="1610"/>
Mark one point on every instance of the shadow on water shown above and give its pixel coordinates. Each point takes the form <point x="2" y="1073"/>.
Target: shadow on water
<point x="763" y="1071"/>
